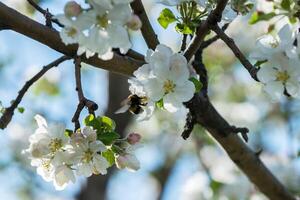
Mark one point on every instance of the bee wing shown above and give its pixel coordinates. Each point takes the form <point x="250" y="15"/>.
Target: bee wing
<point x="123" y="109"/>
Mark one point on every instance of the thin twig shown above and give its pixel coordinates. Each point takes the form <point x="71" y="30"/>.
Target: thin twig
<point x="210" y="41"/>
<point x="237" y="52"/>
<point x="83" y="102"/>
<point x="213" y="18"/>
<point x="9" y="112"/>
<point x="48" y="16"/>
<point x="147" y="30"/>
<point x="184" y="42"/>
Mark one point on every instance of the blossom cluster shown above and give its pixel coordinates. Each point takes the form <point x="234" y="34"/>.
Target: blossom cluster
<point x="99" y="28"/>
<point x="60" y="155"/>
<point x="162" y="82"/>
<point x="279" y="59"/>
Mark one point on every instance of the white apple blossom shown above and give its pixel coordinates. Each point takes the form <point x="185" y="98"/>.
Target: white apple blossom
<point x="47" y="140"/>
<point x="267" y="45"/>
<point x="280" y="73"/>
<point x="90" y="160"/>
<point x="108" y="32"/>
<point x="99" y="29"/>
<point x="73" y="28"/>
<point x="63" y="173"/>
<point x="166" y="76"/>
<point x="107" y="4"/>
<point x="127" y="159"/>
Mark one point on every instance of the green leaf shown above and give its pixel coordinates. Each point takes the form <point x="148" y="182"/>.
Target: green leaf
<point x="166" y="17"/>
<point x="107" y="122"/>
<point x="286" y="5"/>
<point x="109" y="155"/>
<point x="184" y="29"/>
<point x="68" y="132"/>
<point x="197" y="83"/>
<point x="105" y="128"/>
<point x="160" y="104"/>
<point x="293" y="20"/>
<point x="108" y="137"/>
<point x="215" y="186"/>
<point x="260" y="62"/>
<point x="21" y="110"/>
<point x="260" y="16"/>
<point x="90" y="120"/>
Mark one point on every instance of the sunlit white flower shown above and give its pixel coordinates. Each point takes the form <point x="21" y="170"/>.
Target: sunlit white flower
<point x="73" y="27"/>
<point x="127" y="159"/>
<point x="268" y="45"/>
<point x="279" y="74"/>
<point x="166" y="77"/>
<point x="107" y="4"/>
<point x="90" y="161"/>
<point x="46" y="140"/>
<point x="63" y="173"/>
<point x="108" y="32"/>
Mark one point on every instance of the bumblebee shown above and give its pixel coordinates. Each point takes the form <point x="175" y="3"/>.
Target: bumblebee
<point x="134" y="104"/>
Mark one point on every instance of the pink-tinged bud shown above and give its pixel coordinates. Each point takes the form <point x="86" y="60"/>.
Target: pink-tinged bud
<point x="133" y="138"/>
<point x="128" y="161"/>
<point x="134" y="23"/>
<point x="72" y="9"/>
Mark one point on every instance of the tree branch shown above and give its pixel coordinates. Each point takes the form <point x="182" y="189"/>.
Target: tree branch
<point x="208" y="117"/>
<point x="83" y="102"/>
<point x="147" y="30"/>
<point x="237" y="52"/>
<point x="213" y="18"/>
<point x="49" y="37"/>
<point x="210" y="41"/>
<point x="9" y="112"/>
<point x="48" y="16"/>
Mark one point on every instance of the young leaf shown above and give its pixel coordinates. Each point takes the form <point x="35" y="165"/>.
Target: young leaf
<point x="197" y="83"/>
<point x="108" y="137"/>
<point x="286" y="5"/>
<point x="21" y="110"/>
<point x="107" y="122"/>
<point x="160" y="104"/>
<point x="68" y="132"/>
<point x="166" y="17"/>
<point x="260" y="16"/>
<point x="109" y="155"/>
<point x="184" y="29"/>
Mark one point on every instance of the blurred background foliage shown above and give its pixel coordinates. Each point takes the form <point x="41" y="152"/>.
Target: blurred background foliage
<point x="196" y="169"/>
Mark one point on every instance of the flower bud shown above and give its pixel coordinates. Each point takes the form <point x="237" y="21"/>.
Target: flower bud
<point x="128" y="161"/>
<point x="72" y="9"/>
<point x="133" y="138"/>
<point x="134" y="23"/>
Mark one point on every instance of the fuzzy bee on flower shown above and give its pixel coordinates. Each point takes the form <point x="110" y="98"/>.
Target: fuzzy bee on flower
<point x="134" y="104"/>
<point x="137" y="102"/>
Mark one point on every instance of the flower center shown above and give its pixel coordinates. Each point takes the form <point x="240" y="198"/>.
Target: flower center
<point x="282" y="76"/>
<point x="55" y="145"/>
<point x="71" y="32"/>
<point x="46" y="165"/>
<point x="87" y="156"/>
<point x="274" y="43"/>
<point x="102" y="21"/>
<point x="169" y="86"/>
